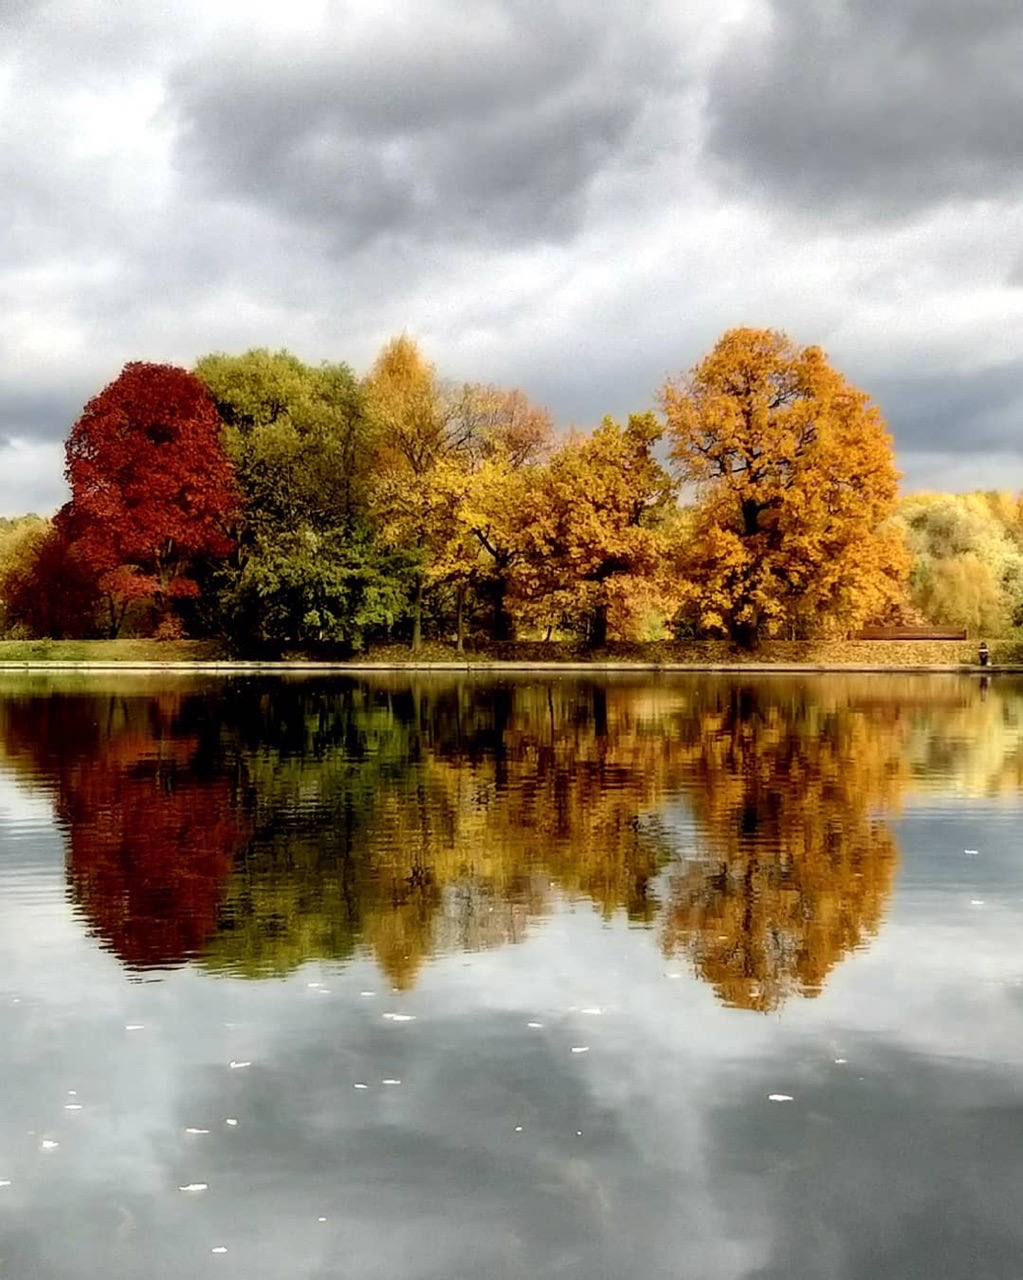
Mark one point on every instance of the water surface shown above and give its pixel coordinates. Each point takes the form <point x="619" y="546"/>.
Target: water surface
<point x="409" y="978"/>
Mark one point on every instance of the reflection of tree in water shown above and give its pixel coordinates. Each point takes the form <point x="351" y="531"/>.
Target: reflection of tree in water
<point x="794" y="862"/>
<point x="153" y="817"/>
<point x="413" y="820"/>
<point x="268" y="823"/>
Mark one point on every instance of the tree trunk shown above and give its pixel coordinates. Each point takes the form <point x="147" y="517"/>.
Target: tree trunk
<point x="746" y="635"/>
<point x="460" y="618"/>
<point x="598" y="627"/>
<point x="600" y="711"/>
<point x="417" y="616"/>
<point x="502" y="630"/>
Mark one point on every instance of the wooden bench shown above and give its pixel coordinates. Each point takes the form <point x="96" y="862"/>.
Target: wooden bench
<point x="910" y="633"/>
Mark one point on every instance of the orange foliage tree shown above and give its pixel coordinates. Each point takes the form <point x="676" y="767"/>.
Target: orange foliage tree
<point x="795" y="477"/>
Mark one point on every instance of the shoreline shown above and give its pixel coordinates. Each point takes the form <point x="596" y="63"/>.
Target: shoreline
<point x="490" y="667"/>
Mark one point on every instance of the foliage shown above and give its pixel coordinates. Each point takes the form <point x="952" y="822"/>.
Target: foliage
<point x="794" y="476"/>
<point x="967" y="559"/>
<point x="595" y="540"/>
<point x="308" y="570"/>
<point x="310" y="588"/>
<point x="454" y="463"/>
<point x="417" y="432"/>
<point x="48" y="589"/>
<point x="279" y="505"/>
<point x="152" y="490"/>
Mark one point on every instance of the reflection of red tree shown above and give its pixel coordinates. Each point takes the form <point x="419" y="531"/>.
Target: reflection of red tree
<point x="152" y="846"/>
<point x="153" y="819"/>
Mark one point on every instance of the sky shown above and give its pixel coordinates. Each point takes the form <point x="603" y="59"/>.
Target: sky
<point x="573" y="198"/>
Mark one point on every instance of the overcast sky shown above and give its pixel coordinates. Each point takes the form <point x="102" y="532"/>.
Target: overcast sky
<point x="571" y="197"/>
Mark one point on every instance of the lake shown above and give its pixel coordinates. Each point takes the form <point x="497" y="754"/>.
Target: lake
<point x="432" y="978"/>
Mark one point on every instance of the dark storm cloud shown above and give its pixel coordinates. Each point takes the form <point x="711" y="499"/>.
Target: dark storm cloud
<point x="485" y="127"/>
<point x="954" y="412"/>
<point x="874" y="108"/>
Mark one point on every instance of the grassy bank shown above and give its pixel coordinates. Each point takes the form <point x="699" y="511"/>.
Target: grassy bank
<point x="703" y="653"/>
<point x="86" y="651"/>
<point x="832" y="653"/>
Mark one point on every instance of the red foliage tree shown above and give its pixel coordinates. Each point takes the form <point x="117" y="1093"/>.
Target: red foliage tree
<point x="152" y="489"/>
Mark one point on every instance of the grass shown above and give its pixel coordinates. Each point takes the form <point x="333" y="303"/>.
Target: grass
<point x="698" y="653"/>
<point x="86" y="651"/>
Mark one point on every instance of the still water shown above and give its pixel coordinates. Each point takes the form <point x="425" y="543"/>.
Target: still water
<point x="436" y="979"/>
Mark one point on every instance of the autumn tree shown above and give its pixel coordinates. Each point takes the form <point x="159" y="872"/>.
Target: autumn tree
<point x="967" y="554"/>
<point x="596" y="547"/>
<point x="491" y="490"/>
<point x="308" y="568"/>
<point x="46" y="587"/>
<point x="453" y="463"/>
<point x="152" y="490"/>
<point x="415" y="433"/>
<point x="794" y="477"/>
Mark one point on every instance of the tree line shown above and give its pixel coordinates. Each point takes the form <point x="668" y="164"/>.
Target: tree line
<point x="283" y="506"/>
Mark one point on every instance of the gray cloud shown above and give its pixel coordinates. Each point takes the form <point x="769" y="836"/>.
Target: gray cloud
<point x="487" y="130"/>
<point x="955" y="412"/>
<point x="874" y="108"/>
<point x="41" y="414"/>
<point x="522" y="188"/>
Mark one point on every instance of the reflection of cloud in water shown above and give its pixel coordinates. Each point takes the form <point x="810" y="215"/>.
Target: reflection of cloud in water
<point x="895" y="1165"/>
<point x="493" y="1158"/>
<point x="683" y="1167"/>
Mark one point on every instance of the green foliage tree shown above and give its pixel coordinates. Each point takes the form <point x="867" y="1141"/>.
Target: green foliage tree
<point x="309" y="570"/>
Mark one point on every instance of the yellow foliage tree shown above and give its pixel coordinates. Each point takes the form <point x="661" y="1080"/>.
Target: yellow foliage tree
<point x="418" y="432"/>
<point x="596" y="543"/>
<point x="967" y="559"/>
<point x="794" y="475"/>
<point x="490" y="489"/>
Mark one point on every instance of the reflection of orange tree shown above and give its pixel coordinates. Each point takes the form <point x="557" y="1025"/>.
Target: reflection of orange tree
<point x="794" y="861"/>
<point x="153" y="821"/>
